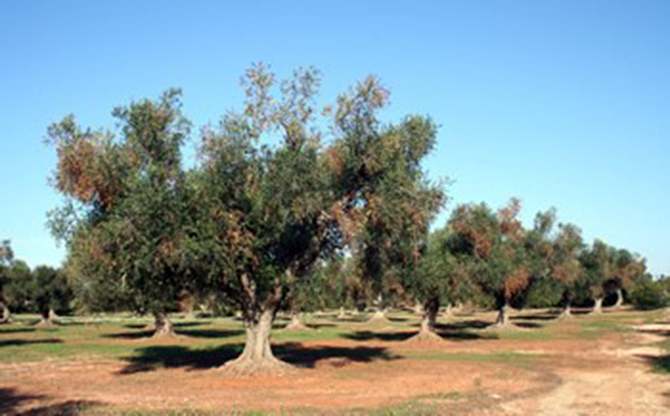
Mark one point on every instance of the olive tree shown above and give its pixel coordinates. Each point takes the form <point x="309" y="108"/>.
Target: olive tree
<point x="270" y="212"/>
<point x="125" y="215"/>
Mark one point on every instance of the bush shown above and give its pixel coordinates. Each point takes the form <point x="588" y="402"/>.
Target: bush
<point x="648" y="294"/>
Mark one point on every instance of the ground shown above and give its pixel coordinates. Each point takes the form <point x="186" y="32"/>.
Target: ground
<point x="613" y="364"/>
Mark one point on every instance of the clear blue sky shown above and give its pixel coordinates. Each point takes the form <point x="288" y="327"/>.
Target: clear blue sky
<point x="561" y="103"/>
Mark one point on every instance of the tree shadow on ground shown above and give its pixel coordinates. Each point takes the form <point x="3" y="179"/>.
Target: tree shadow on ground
<point x="21" y="342"/>
<point x="660" y="363"/>
<point x="546" y="316"/>
<point x="7" y="330"/>
<point x="155" y="357"/>
<point x="68" y="408"/>
<point x="452" y="335"/>
<point x="11" y="399"/>
<point x="396" y="319"/>
<point x="211" y="333"/>
<point x="462" y="325"/>
<point x="194" y="333"/>
<point x="379" y="336"/>
<point x="319" y="325"/>
<point x="528" y="325"/>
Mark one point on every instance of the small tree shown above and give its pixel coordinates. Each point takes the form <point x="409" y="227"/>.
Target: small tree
<point x="597" y="266"/>
<point x="49" y="293"/>
<point x="269" y="213"/>
<point x="126" y="202"/>
<point x="565" y="265"/>
<point x="492" y="244"/>
<point x="6" y="260"/>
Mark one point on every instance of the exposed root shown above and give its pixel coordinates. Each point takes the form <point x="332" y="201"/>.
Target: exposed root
<point x="505" y="327"/>
<point x="425" y="336"/>
<point x="378" y="316"/>
<point x="46" y="322"/>
<point x="243" y="366"/>
<point x="165" y="334"/>
<point x="565" y="315"/>
<point x="296" y="325"/>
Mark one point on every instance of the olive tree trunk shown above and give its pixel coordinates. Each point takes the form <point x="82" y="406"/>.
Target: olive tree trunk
<point x="503" y="321"/>
<point x="428" y="320"/>
<point x="296" y="323"/>
<point x="566" y="313"/>
<point x="259" y="315"/>
<point x="163" y="327"/>
<point x="380" y="313"/>
<point x="6" y="314"/>
<point x="598" y="306"/>
<point x="46" y="316"/>
<point x="619" y="300"/>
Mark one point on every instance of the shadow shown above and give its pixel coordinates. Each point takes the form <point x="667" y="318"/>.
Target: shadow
<point x="190" y="324"/>
<point x="321" y="325"/>
<point x="171" y="356"/>
<point x="660" y="364"/>
<point x="211" y="333"/>
<point x="393" y="319"/>
<point x="156" y="357"/>
<point x="68" y="408"/>
<point x="536" y="317"/>
<point x="379" y="336"/>
<point x="6" y="330"/>
<point x="453" y="335"/>
<point x="529" y="325"/>
<point x="21" y="342"/>
<point x="131" y="335"/>
<point x="135" y="326"/>
<point x="462" y="325"/>
<point x="307" y="357"/>
<point x="10" y="400"/>
<point x="353" y="319"/>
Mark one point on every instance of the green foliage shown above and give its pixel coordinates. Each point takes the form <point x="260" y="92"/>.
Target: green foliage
<point x="49" y="290"/>
<point x="125" y="215"/>
<point x="647" y="294"/>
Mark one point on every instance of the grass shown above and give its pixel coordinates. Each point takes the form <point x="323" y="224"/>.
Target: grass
<point x="211" y="341"/>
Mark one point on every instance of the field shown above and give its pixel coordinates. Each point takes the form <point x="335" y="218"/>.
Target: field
<point x="612" y="364"/>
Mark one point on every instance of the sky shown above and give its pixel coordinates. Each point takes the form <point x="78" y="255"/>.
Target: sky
<point x="562" y="104"/>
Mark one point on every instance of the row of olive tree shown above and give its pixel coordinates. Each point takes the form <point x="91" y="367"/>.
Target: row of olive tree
<point x="278" y="188"/>
<point x="484" y="254"/>
<point x="43" y="290"/>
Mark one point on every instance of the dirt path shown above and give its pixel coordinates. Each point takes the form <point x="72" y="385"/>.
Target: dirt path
<point x="628" y="388"/>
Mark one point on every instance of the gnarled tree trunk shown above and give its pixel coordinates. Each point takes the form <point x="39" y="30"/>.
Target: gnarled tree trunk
<point x="418" y="308"/>
<point x="503" y="321"/>
<point x="598" y="306"/>
<point x="619" y="300"/>
<point x="296" y="323"/>
<point x="258" y="318"/>
<point x="566" y="313"/>
<point x="427" y="328"/>
<point x="6" y="314"/>
<point x="342" y="314"/>
<point x="448" y="311"/>
<point x="163" y="326"/>
<point x="257" y="355"/>
<point x="380" y="313"/>
<point x="45" y="318"/>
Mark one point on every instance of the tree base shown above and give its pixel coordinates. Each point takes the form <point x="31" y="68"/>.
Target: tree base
<point x="163" y="334"/>
<point x="565" y="316"/>
<point x="243" y="366"/>
<point x="505" y="327"/>
<point x="378" y="317"/>
<point x="297" y="326"/>
<point x="44" y="322"/>
<point x="425" y="336"/>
